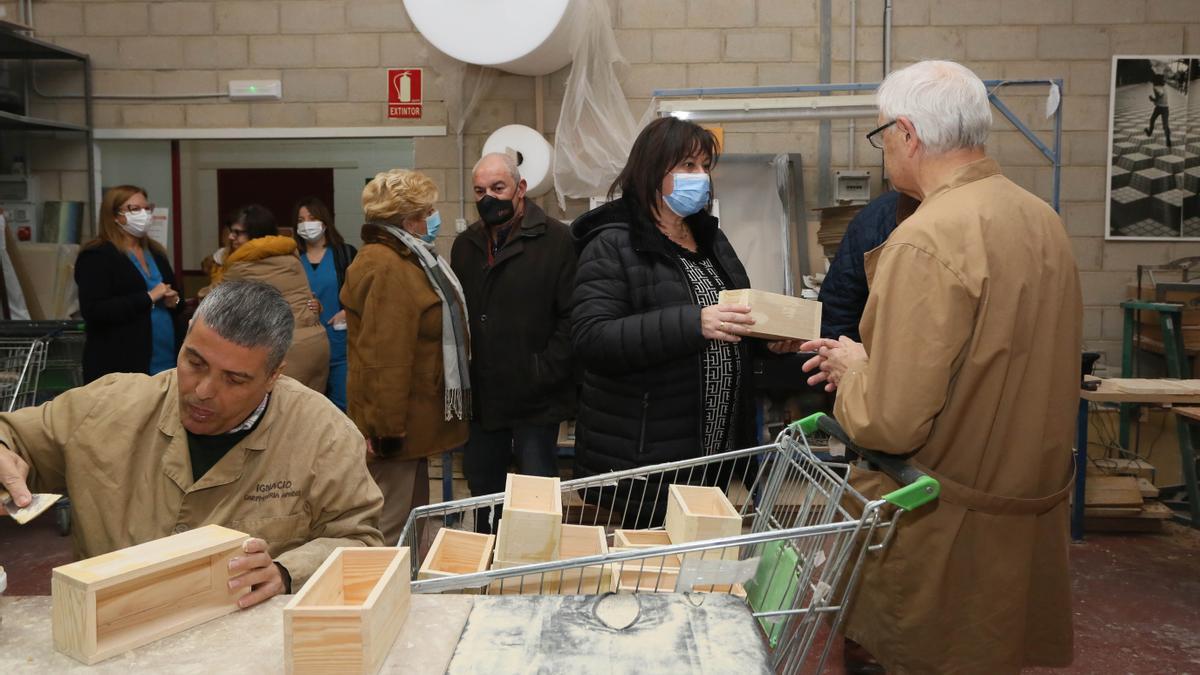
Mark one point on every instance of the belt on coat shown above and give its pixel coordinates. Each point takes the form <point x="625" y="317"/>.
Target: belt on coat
<point x="972" y="499"/>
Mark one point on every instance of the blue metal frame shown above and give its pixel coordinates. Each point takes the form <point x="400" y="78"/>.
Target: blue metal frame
<point x="1053" y="154"/>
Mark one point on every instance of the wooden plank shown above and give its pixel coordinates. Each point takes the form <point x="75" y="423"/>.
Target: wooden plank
<point x="1110" y="491"/>
<point x="350" y="630"/>
<point x="1122" y="466"/>
<point x="1148" y="489"/>
<point x="1190" y="413"/>
<point x="115" y="602"/>
<point x="531" y="529"/>
<point x="1112" y="511"/>
<point x="1155" y="386"/>
<point x="777" y="317"/>
<point x="1109" y="392"/>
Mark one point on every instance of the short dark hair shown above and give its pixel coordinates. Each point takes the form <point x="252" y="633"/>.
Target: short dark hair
<point x="664" y="143"/>
<point x="258" y="221"/>
<point x="250" y="314"/>
<point x="321" y="212"/>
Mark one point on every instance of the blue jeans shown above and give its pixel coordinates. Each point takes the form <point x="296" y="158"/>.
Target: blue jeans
<point x="488" y="455"/>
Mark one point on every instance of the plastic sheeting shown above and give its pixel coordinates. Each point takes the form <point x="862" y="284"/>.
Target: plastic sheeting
<point x="595" y="128"/>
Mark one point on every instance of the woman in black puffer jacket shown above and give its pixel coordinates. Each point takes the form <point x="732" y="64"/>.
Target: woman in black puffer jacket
<point x="665" y="368"/>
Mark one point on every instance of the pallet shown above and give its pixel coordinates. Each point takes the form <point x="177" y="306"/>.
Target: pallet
<point x="347" y="616"/>
<point x="109" y="604"/>
<point x="531" y="529"/>
<point x="777" y="317"/>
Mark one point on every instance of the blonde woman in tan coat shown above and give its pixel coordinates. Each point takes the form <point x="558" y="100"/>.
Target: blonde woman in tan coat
<point x="408" y="388"/>
<point x="265" y="256"/>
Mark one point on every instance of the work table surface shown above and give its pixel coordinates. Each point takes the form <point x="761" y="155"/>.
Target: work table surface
<point x="249" y="641"/>
<point x="651" y="632"/>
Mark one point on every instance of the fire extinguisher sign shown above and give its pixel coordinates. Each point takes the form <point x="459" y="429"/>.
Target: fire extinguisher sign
<point x="404" y="93"/>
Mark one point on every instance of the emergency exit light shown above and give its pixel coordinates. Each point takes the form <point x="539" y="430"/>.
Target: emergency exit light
<point x="241" y="90"/>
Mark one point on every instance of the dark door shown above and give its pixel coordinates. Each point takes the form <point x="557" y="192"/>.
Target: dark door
<point x="276" y="189"/>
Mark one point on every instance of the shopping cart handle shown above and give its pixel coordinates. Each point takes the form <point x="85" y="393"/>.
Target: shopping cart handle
<point x="917" y="487"/>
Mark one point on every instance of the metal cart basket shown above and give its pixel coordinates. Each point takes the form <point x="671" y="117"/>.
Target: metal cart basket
<point x="808" y="534"/>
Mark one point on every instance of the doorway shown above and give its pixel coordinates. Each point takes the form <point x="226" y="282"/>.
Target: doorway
<point x="276" y="189"/>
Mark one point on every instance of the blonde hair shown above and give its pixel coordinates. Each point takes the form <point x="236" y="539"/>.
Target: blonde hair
<point x="398" y="195"/>
<point x="109" y="230"/>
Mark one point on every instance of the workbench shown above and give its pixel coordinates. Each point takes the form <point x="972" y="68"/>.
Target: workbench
<point x="627" y="633"/>
<point x="1108" y="391"/>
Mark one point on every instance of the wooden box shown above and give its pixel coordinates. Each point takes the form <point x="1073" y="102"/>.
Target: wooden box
<point x="577" y="541"/>
<point x="669" y="563"/>
<point x="777" y="317"/>
<point x="632" y="578"/>
<point x="531" y="529"/>
<point x="700" y="513"/>
<point x="641" y="538"/>
<point x="457" y="552"/>
<point x="346" y="617"/>
<point x="115" y="602"/>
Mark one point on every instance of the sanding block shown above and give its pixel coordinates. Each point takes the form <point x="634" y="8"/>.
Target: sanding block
<point x="41" y="502"/>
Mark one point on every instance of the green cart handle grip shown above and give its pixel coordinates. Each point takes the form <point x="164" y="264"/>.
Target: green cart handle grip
<point x="917" y="487"/>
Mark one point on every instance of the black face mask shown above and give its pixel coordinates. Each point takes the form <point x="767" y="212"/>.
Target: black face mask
<point x="494" y="211"/>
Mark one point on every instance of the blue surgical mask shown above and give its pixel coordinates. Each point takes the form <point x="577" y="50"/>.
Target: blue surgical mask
<point x="690" y="194"/>
<point x="433" y="223"/>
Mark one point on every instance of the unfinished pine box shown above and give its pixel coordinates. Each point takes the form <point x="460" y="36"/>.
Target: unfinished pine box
<point x="669" y="563"/>
<point x="531" y="529"/>
<point x="699" y="513"/>
<point x="346" y="617"/>
<point x="577" y="541"/>
<point x="777" y="317"/>
<point x="115" y="602"/>
<point x="457" y="552"/>
<point x="641" y="538"/>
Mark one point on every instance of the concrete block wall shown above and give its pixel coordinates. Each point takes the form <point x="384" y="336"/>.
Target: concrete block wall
<point x="331" y="55"/>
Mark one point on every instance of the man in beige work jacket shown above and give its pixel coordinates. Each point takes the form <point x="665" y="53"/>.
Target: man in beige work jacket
<point x="970" y="367"/>
<point x="223" y="438"/>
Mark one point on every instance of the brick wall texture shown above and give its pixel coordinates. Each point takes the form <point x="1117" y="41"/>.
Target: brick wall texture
<point x="331" y="56"/>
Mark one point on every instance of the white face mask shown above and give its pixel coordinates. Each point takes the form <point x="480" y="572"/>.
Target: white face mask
<point x="310" y="229"/>
<point x="136" y="223"/>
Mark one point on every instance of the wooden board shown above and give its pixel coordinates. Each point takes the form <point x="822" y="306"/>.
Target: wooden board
<point x="115" y="602"/>
<point x="531" y="529"/>
<point x="1109" y="491"/>
<point x="777" y="317"/>
<point x="1151" y="387"/>
<point x="1109" y="391"/>
<point x="700" y="513"/>
<point x="1121" y="466"/>
<point x="347" y="616"/>
<point x="1189" y="413"/>
<point x="1148" y="489"/>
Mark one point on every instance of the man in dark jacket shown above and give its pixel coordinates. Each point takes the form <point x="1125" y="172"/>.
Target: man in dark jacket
<point x="517" y="269"/>
<point x="844" y="291"/>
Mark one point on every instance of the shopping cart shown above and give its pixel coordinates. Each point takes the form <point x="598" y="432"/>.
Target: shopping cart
<point x="809" y="532"/>
<point x="38" y="361"/>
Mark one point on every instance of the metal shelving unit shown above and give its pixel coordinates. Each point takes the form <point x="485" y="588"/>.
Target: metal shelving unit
<point x="15" y="45"/>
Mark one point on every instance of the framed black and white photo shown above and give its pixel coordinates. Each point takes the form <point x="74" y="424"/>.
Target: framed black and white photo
<point x="1154" y="149"/>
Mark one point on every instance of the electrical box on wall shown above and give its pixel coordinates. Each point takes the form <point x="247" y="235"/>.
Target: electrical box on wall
<point x="852" y="186"/>
<point x="242" y="90"/>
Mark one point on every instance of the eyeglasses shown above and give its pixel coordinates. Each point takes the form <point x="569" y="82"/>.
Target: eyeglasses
<point x="236" y="232"/>
<point x="875" y="139"/>
<point x="149" y="208"/>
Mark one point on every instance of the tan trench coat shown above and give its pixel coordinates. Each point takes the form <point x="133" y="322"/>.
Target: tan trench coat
<point x="973" y="330"/>
<point x="299" y="480"/>
<point x="394" y="386"/>
<point x="273" y="260"/>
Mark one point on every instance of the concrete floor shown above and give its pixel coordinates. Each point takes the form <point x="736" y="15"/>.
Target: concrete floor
<point x="1137" y="597"/>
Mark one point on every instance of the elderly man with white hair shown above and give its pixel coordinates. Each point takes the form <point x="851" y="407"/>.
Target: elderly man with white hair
<point x="969" y="367"/>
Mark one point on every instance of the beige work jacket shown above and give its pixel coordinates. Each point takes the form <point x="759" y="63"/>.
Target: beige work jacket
<point x="973" y="331"/>
<point x="118" y="447"/>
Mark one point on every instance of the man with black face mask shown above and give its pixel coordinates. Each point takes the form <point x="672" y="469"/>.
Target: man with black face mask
<point x="517" y="269"/>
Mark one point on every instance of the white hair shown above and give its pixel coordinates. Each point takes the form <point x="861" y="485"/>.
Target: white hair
<point x="946" y="102"/>
<point x="510" y="163"/>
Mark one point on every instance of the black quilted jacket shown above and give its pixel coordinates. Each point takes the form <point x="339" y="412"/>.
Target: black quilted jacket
<point x="636" y="330"/>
